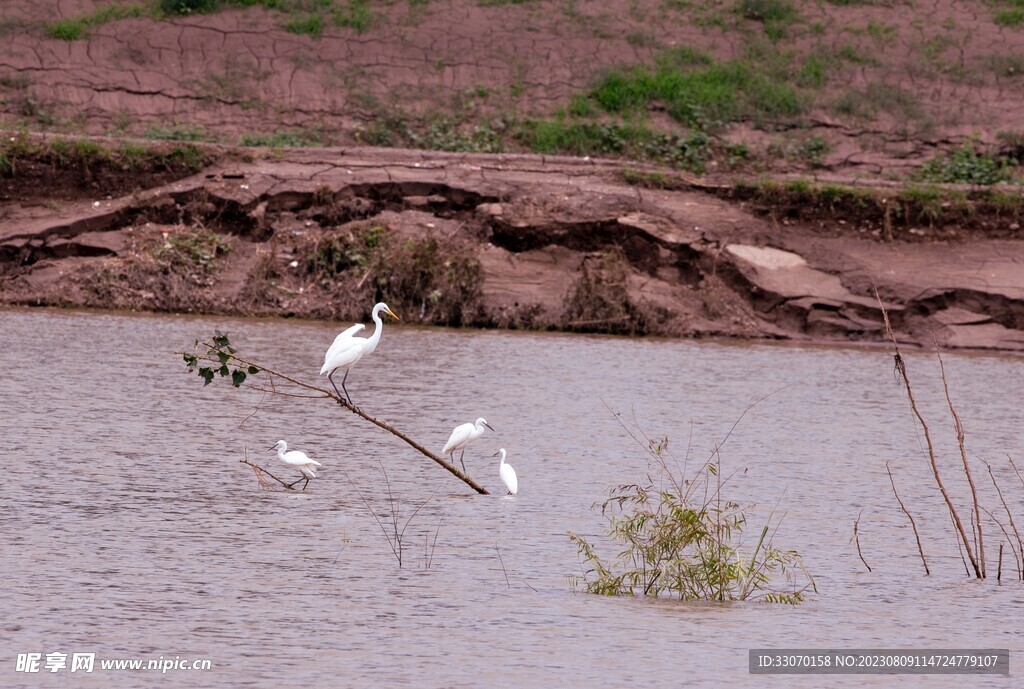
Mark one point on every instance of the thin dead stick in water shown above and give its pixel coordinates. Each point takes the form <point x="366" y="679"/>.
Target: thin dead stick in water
<point x="507" y="584"/>
<point x="1015" y="470"/>
<point x="999" y="572"/>
<point x="901" y="370"/>
<point x="1009" y="515"/>
<point x="1006" y="534"/>
<point x="221" y="356"/>
<point x="856" y="540"/>
<point x="959" y="428"/>
<point x="913" y="524"/>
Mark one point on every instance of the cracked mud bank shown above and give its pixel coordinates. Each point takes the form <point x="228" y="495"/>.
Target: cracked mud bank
<point x="499" y="241"/>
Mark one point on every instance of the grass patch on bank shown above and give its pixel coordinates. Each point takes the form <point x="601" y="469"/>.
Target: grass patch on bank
<point x="74" y="28"/>
<point x="90" y="156"/>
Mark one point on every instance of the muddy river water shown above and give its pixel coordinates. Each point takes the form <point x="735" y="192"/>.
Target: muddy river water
<point x="131" y="530"/>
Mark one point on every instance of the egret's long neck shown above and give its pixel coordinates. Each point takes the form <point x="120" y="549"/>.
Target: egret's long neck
<point x="502" y="458"/>
<point x="281" y="449"/>
<point x="375" y="338"/>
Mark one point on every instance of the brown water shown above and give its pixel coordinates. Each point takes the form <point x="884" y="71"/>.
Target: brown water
<point x="131" y="530"/>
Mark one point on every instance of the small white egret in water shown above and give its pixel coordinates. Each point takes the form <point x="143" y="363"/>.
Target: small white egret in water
<point x="507" y="474"/>
<point x="347" y="349"/>
<point x="298" y="460"/>
<point x="461" y="437"/>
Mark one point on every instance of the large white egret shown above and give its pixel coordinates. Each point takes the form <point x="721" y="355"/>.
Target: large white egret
<point x="347" y="349"/>
<point x="297" y="460"/>
<point x="507" y="474"/>
<point x="461" y="437"/>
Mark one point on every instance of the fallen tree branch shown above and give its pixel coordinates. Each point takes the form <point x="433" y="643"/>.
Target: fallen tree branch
<point x="223" y="356"/>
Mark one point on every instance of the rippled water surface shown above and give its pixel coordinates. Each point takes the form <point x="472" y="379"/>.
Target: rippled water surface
<point x="131" y="530"/>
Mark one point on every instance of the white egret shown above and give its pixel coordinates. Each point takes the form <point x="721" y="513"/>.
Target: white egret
<point x="297" y="460"/>
<point x="507" y="474"/>
<point x="461" y="437"/>
<point x="347" y="349"/>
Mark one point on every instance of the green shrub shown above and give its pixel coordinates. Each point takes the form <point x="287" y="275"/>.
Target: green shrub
<point x="966" y="165"/>
<point x="678" y="537"/>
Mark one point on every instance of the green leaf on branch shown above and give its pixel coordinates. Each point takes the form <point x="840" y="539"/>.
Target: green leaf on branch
<point x="190" y="360"/>
<point x="207" y="375"/>
<point x="223" y="357"/>
<point x="254" y="370"/>
<point x="223" y="370"/>
<point x="237" y="377"/>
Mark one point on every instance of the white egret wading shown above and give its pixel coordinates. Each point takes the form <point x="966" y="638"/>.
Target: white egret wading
<point x="461" y="437"/>
<point x="348" y="349"/>
<point x="297" y="460"/>
<point x="507" y="474"/>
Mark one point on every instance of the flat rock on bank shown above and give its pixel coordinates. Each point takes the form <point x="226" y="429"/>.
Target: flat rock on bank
<point x="520" y="241"/>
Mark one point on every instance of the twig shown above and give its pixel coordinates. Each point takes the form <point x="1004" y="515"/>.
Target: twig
<point x="913" y="525"/>
<point x="1007" y="536"/>
<point x="999" y="572"/>
<point x="1009" y="515"/>
<point x="963" y="456"/>
<point x="507" y="584"/>
<point x="856" y="540"/>
<point x="260" y="470"/>
<point x="901" y="369"/>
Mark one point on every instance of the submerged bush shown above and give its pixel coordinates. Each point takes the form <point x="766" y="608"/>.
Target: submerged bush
<point x="679" y="539"/>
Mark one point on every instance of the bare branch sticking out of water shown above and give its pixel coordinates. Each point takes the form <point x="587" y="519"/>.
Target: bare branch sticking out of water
<point x="901" y="370"/>
<point x="1013" y="525"/>
<point x="260" y="472"/>
<point x="959" y="428"/>
<point x="224" y="360"/>
<point x="856" y="539"/>
<point x="503" y="570"/>
<point x="396" y="535"/>
<point x="913" y="524"/>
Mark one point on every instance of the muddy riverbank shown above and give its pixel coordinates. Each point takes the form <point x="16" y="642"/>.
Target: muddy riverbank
<point x="503" y="241"/>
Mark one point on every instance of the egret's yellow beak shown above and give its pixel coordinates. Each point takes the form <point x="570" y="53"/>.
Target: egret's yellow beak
<point x="391" y="313"/>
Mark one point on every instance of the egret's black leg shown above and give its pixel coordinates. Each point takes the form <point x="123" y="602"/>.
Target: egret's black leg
<point x="305" y="484"/>
<point x="460" y="460"/>
<point x="289" y="485"/>
<point x="346" y="391"/>
<point x="329" y="377"/>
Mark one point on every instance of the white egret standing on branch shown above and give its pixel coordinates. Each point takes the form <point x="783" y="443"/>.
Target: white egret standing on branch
<point x="507" y="474"/>
<point x="298" y="460"/>
<point x="461" y="437"/>
<point x="347" y="349"/>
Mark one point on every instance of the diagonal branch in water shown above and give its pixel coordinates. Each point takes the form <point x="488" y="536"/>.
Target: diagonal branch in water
<point x="913" y="524"/>
<point x="220" y="353"/>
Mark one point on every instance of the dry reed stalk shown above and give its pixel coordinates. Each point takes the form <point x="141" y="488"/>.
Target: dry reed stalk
<point x="913" y="524"/>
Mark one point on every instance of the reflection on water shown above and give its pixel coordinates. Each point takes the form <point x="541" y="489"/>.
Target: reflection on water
<point x="132" y="531"/>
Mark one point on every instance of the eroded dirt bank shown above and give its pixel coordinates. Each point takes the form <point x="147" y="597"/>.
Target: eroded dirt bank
<point x="505" y="241"/>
